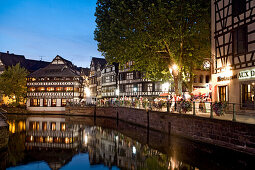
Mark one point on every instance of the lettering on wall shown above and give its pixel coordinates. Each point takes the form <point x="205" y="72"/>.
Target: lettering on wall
<point x="246" y="74"/>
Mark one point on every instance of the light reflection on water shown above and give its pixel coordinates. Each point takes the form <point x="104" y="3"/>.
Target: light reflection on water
<point x="57" y="142"/>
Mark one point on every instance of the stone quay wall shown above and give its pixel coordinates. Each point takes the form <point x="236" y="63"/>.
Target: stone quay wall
<point x="233" y="135"/>
<point x="4" y="137"/>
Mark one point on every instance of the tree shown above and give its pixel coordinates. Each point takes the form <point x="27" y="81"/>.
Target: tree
<point x="13" y="83"/>
<point x="155" y="34"/>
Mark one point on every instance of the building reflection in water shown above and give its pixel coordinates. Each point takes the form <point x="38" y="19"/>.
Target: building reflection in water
<point x="44" y="135"/>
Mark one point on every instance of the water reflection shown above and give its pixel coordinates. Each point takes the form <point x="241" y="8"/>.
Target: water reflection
<point x="66" y="143"/>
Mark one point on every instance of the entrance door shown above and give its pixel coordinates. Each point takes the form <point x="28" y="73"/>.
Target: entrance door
<point x="222" y="93"/>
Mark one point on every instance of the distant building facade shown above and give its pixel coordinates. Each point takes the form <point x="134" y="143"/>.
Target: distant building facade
<point x="52" y="87"/>
<point x="233" y="48"/>
<point x="9" y="59"/>
<point x="96" y="65"/>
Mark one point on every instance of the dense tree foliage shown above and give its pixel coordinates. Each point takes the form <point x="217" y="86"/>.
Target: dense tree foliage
<point x="155" y="34"/>
<point x="13" y="82"/>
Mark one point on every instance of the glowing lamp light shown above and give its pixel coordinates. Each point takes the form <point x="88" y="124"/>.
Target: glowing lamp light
<point x="86" y="139"/>
<point x="87" y="91"/>
<point x="165" y="86"/>
<point x="117" y="92"/>
<point x="175" y="67"/>
<point x="228" y="72"/>
<point x="134" y="150"/>
<point x="135" y="89"/>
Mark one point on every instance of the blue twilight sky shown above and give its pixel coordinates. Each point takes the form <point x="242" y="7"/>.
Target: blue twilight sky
<point x="44" y="28"/>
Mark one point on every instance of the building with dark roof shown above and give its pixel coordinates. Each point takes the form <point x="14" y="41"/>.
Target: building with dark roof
<point x="7" y="59"/>
<point x="51" y="87"/>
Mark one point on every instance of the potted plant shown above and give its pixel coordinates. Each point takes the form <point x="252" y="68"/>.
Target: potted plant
<point x="219" y="108"/>
<point x="185" y="106"/>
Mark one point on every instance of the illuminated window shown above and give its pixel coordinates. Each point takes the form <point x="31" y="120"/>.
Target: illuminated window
<point x="248" y="98"/>
<point x="59" y="88"/>
<point x="33" y="125"/>
<point x="50" y="88"/>
<point x="35" y="102"/>
<point x="222" y="93"/>
<point x="53" y="102"/>
<point x="68" y="140"/>
<point x="68" y="88"/>
<point x="45" y="102"/>
<point x="48" y="139"/>
<point x="41" y="88"/>
<point x="44" y="126"/>
<point x="41" y="139"/>
<point x="31" y="89"/>
<point x="53" y="126"/>
<point x="63" y="102"/>
<point x="62" y="126"/>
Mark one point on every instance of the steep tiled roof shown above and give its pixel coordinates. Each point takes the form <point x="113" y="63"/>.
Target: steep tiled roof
<point x="99" y="61"/>
<point x="64" y="69"/>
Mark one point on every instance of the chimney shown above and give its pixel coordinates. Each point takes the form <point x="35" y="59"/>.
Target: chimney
<point x="7" y="52"/>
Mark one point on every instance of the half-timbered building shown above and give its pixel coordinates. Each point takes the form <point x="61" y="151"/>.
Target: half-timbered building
<point x="110" y="83"/>
<point x="233" y="48"/>
<point x="52" y="87"/>
<point x="133" y="84"/>
<point x="95" y="83"/>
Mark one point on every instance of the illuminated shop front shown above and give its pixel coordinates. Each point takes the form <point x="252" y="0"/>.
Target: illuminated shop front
<point x="236" y="87"/>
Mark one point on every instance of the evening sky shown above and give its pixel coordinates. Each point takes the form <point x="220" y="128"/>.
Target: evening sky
<point x="42" y="29"/>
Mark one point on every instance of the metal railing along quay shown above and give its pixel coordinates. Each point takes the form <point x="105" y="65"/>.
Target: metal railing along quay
<point x="214" y="110"/>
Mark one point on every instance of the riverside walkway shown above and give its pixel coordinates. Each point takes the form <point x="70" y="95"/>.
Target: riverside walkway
<point x="232" y="111"/>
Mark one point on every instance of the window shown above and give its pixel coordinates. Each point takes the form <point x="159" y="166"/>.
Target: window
<point x="33" y="125"/>
<point x="130" y="76"/>
<point x="238" y="7"/>
<point x="240" y="40"/>
<point x="68" y="89"/>
<point x="44" y="126"/>
<point x="201" y="79"/>
<point x="150" y="86"/>
<point x="195" y="79"/>
<point x="31" y="89"/>
<point x="53" y="102"/>
<point x="63" y="102"/>
<point x="53" y="126"/>
<point x="222" y="93"/>
<point x="207" y="79"/>
<point x="41" y="89"/>
<point x="248" y="91"/>
<point x="59" y="88"/>
<point x="35" y="102"/>
<point x="45" y="102"/>
<point x="112" y="78"/>
<point x="62" y="126"/>
<point x="50" y="88"/>
<point x="129" y="88"/>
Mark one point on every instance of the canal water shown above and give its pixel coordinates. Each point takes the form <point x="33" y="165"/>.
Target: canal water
<point x="59" y="142"/>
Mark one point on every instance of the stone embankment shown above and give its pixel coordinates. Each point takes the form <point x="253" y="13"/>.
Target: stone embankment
<point x="233" y="135"/>
<point x="4" y="133"/>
